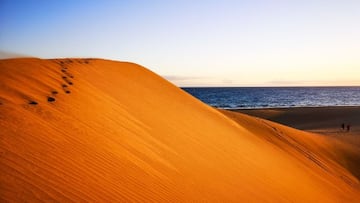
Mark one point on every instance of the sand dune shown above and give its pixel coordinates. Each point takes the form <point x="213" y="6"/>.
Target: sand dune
<point x="115" y="131"/>
<point x="326" y="121"/>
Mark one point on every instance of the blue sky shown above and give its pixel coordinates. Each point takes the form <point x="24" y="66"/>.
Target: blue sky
<point x="197" y="43"/>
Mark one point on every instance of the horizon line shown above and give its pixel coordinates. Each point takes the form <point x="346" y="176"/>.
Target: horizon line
<point x="300" y="86"/>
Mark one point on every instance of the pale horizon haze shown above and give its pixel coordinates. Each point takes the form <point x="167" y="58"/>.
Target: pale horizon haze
<point x="196" y="43"/>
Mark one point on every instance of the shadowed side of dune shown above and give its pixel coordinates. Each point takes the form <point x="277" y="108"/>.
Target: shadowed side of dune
<point x="115" y="131"/>
<point x="343" y="146"/>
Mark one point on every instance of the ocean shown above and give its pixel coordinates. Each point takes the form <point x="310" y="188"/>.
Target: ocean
<point x="276" y="97"/>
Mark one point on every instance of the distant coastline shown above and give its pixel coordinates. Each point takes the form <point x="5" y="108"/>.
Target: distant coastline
<point x="277" y="97"/>
<point x="314" y="86"/>
<point x="288" y="107"/>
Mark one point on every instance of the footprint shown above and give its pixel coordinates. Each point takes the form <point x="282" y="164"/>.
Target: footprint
<point x="68" y="74"/>
<point x="65" y="88"/>
<point x="33" y="102"/>
<point x="67" y="80"/>
<point x="51" y="99"/>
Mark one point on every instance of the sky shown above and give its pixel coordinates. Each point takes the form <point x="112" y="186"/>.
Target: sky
<point x="197" y="43"/>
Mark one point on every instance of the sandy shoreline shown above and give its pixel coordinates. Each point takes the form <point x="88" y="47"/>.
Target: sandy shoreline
<point x="325" y="120"/>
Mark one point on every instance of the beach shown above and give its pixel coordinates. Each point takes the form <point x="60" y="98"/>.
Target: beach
<point x="324" y="120"/>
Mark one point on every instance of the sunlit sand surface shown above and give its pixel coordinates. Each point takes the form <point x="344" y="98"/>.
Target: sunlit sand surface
<point x="105" y="131"/>
<point x="326" y="121"/>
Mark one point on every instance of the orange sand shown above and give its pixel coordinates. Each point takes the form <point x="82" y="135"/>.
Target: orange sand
<point x="327" y="121"/>
<point x="123" y="133"/>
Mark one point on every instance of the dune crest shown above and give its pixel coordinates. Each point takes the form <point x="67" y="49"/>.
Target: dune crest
<point x="98" y="130"/>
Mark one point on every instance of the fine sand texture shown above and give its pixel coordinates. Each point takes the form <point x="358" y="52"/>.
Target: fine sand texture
<point x="326" y="121"/>
<point x="75" y="130"/>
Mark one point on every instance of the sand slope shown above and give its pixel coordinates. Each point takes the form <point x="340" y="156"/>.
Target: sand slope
<point x="118" y="132"/>
<point x="344" y="145"/>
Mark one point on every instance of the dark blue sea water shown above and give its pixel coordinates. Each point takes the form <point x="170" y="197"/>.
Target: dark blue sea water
<point x="271" y="97"/>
